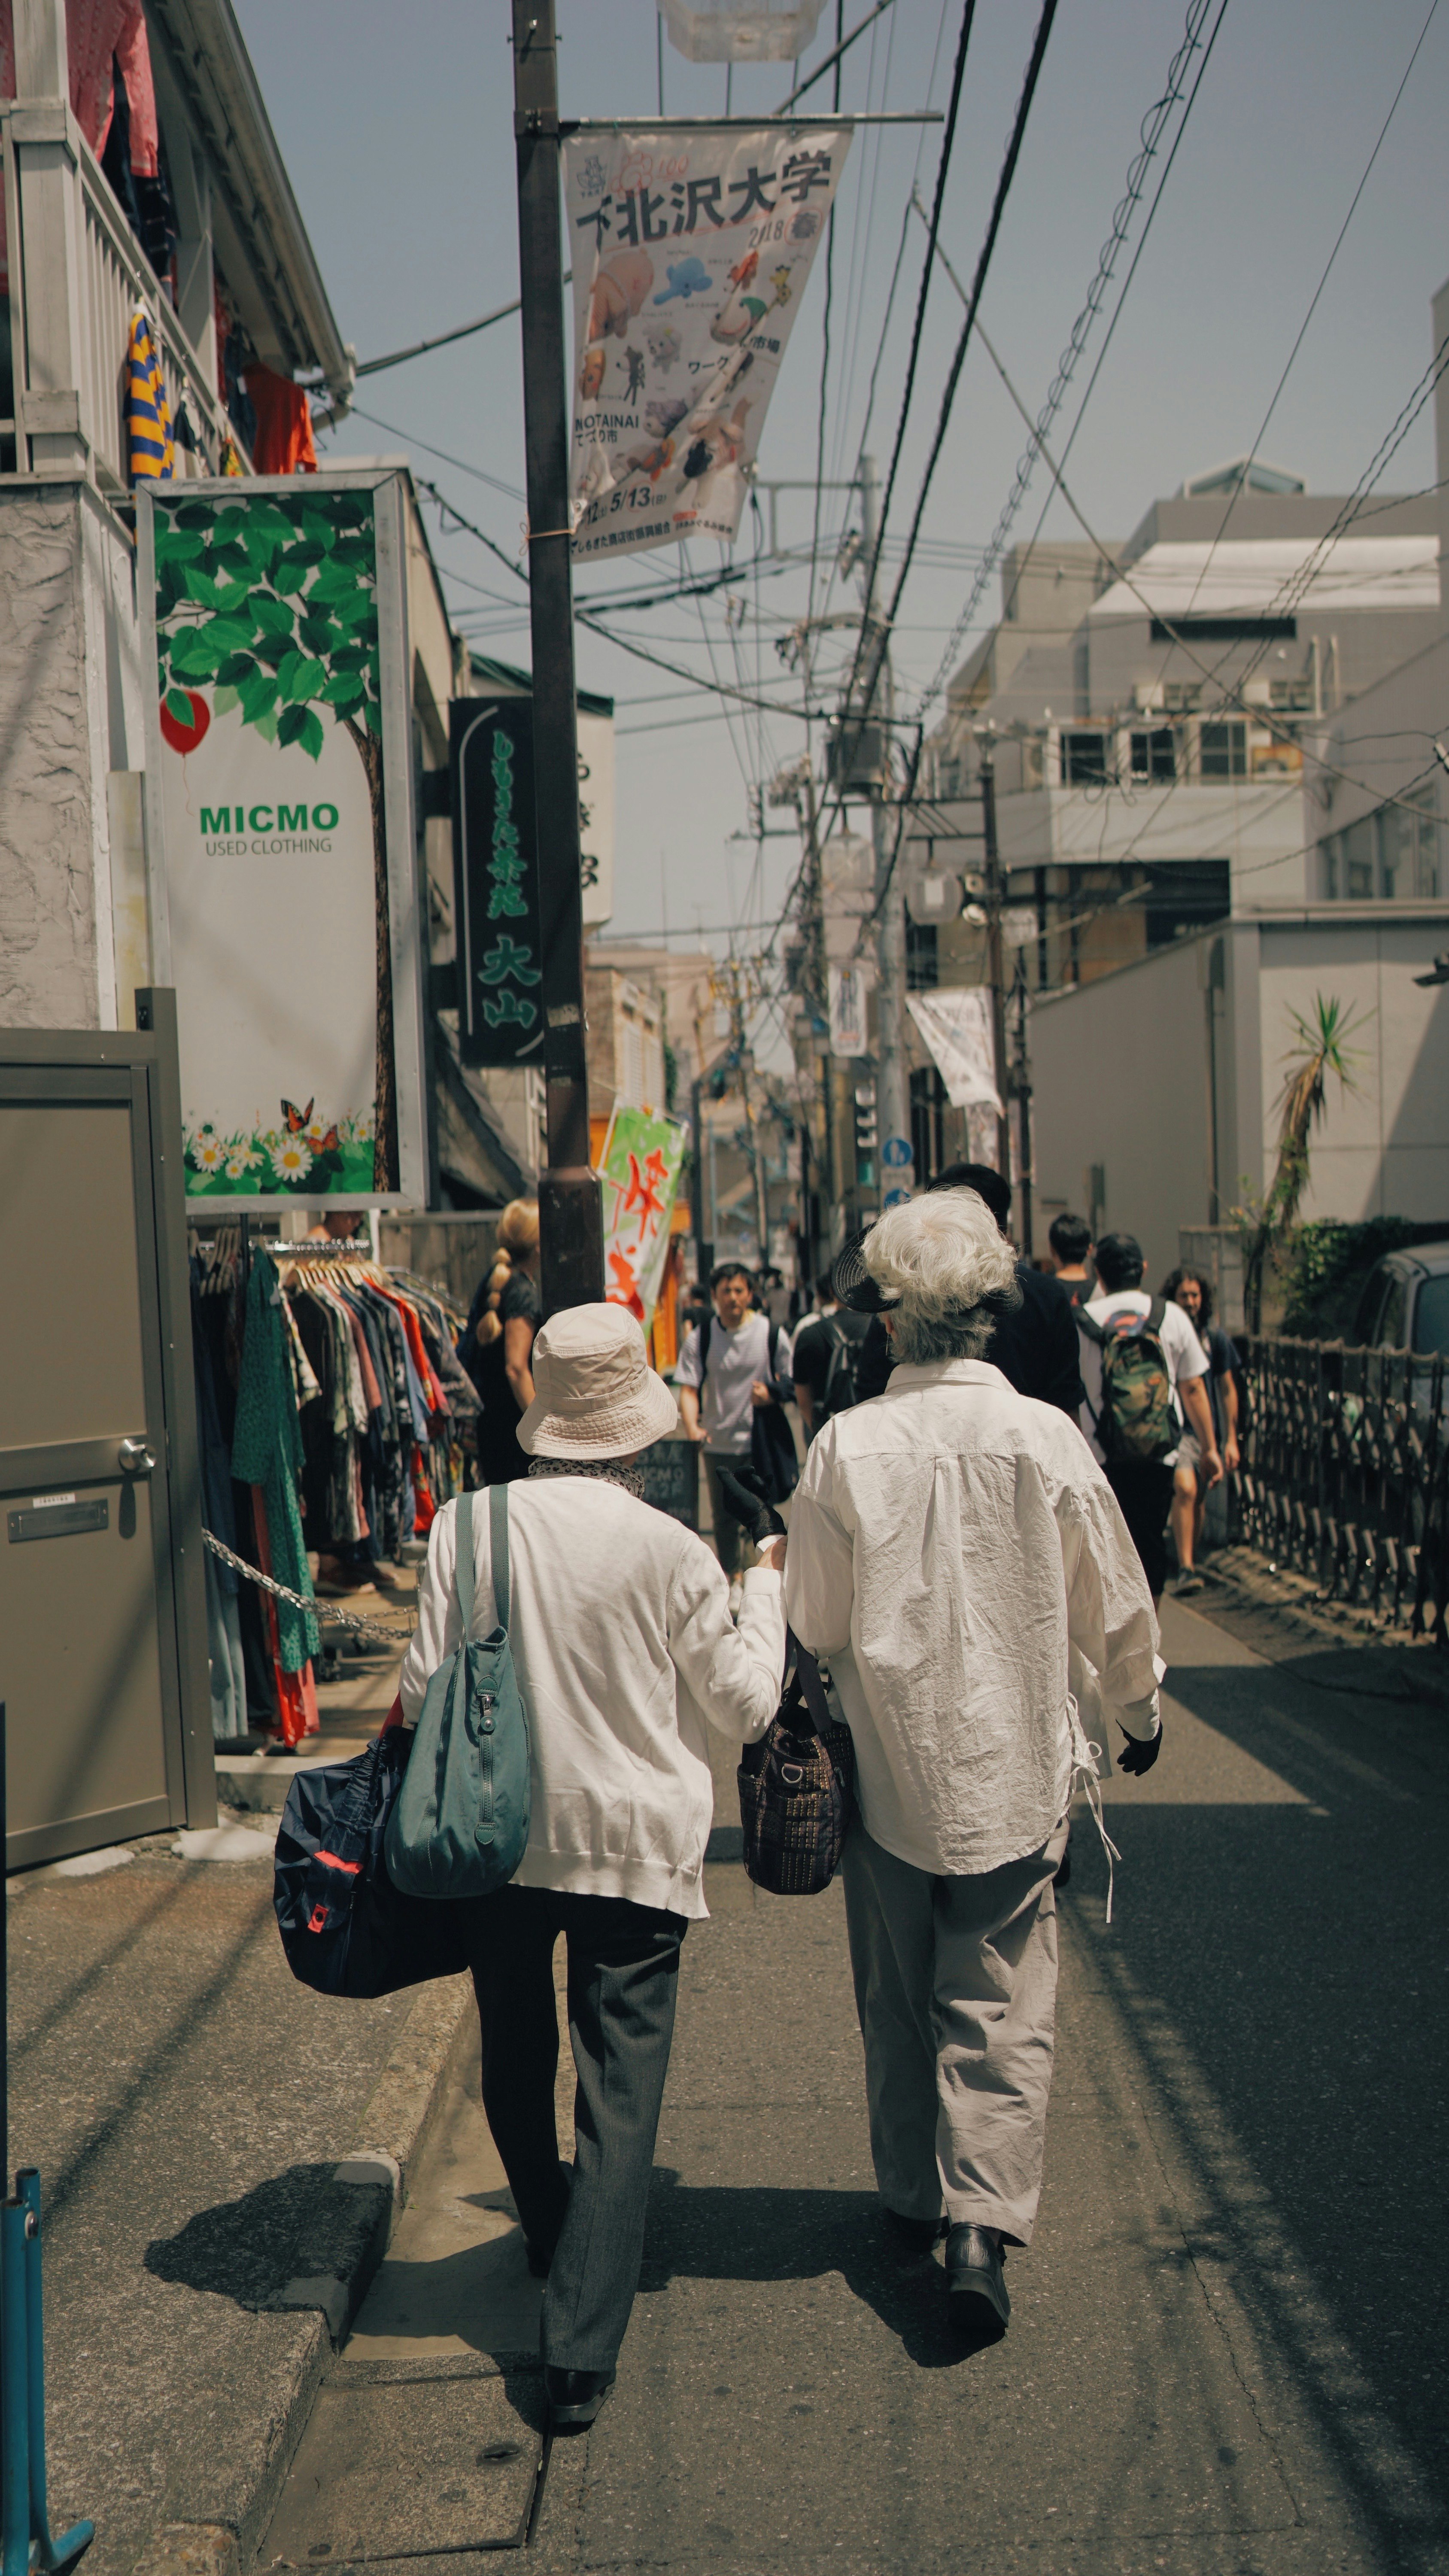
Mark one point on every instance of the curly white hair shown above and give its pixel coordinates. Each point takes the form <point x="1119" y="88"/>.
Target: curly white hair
<point x="948" y="1271"/>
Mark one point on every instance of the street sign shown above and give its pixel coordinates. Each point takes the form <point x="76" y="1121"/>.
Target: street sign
<point x="896" y="1152"/>
<point x="896" y="1198"/>
<point x="495" y="862"/>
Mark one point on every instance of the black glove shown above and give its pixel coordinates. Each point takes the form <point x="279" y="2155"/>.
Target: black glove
<point x="750" y="1504"/>
<point x="1140" y="1756"/>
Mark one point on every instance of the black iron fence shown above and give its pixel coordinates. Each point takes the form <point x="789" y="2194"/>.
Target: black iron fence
<point x="1345" y="1473"/>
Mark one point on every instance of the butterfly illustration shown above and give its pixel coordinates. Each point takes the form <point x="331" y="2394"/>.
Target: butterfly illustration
<point x="297" y="1118"/>
<point x="327" y="1144"/>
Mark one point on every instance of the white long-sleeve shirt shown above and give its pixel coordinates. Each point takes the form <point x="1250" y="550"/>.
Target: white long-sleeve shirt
<point x="958" y="1555"/>
<point x="625" y="1651"/>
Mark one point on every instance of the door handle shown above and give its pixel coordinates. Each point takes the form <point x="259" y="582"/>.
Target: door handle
<point x="135" y="1458"/>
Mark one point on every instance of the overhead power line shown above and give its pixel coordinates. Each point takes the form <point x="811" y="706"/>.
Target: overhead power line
<point x="1151" y="131"/>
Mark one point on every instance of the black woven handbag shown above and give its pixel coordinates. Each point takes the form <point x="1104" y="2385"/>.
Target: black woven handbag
<point x="796" y="1787"/>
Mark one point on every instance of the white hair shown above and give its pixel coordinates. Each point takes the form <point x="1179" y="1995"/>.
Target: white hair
<point x="948" y="1272"/>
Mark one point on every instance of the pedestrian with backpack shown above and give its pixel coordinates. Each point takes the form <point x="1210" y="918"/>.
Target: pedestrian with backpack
<point x="1144" y="1371"/>
<point x="599" y="1637"/>
<point x="826" y="1358"/>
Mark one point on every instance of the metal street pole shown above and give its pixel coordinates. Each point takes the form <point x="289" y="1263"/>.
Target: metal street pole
<point x="569" y="1206"/>
<point x="893" y="1097"/>
<point x="819" y="995"/>
<point x="1021" y="1085"/>
<point x="994" y="899"/>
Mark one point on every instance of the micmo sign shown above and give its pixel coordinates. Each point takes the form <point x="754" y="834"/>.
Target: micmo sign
<point x="276" y="830"/>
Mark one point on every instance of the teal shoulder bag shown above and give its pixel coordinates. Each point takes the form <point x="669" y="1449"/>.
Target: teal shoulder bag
<point x="461" y="1819"/>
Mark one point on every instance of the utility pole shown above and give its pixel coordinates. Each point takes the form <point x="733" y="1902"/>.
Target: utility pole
<point x="819" y="988"/>
<point x="569" y="1206"/>
<point x="994" y="973"/>
<point x="1021" y="1087"/>
<point x="892" y="1079"/>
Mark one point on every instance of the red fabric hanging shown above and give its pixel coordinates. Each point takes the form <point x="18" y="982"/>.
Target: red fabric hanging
<point x="284" y="442"/>
<point x="95" y="30"/>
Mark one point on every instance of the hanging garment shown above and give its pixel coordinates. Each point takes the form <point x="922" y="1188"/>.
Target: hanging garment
<point x="98" y="35"/>
<point x="150" y="454"/>
<point x="225" y="1656"/>
<point x="267" y="1453"/>
<point x="284" y="442"/>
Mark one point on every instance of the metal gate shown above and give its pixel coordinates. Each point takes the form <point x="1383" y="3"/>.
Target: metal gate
<point x="102" y="1594"/>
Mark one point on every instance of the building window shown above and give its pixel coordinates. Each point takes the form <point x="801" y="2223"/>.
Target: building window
<point x="1409" y="848"/>
<point x="1224" y="751"/>
<point x="1084" y="760"/>
<point x="1181" y="697"/>
<point x="1154" y="756"/>
<point x="1328" y="865"/>
<point x="1356" y="847"/>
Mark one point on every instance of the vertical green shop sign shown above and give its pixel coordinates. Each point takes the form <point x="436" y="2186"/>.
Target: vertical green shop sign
<point x="268" y="762"/>
<point x="500" y="945"/>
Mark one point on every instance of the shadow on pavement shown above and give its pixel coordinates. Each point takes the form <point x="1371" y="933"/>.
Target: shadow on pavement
<point x="1282" y="1969"/>
<point x="247" y="2250"/>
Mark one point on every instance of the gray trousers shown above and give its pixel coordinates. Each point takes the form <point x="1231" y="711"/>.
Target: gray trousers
<point x="955" y="1985"/>
<point x="623" y="1974"/>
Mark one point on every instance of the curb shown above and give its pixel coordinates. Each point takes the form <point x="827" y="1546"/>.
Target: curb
<point x="351" y="2236"/>
<point x="1286" y="1600"/>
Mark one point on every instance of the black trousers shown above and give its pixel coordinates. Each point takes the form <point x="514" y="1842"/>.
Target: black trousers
<point x="1143" y="1487"/>
<point x="623" y="1974"/>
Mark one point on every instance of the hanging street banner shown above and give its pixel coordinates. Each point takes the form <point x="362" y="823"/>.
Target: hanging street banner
<point x="850" y="990"/>
<point x="495" y="856"/>
<point x="280" y="836"/>
<point x="956" y="1025"/>
<point x="690" y="255"/>
<point x="640" y="1166"/>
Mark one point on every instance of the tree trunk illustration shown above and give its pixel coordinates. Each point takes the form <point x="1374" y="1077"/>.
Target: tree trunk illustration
<point x="384" y="1147"/>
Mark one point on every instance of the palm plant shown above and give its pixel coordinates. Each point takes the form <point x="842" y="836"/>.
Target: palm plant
<point x="1320" y="1048"/>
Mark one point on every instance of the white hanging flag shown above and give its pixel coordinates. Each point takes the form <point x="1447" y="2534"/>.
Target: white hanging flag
<point x="690" y="255"/>
<point x="850" y="988"/>
<point x="956" y="1025"/>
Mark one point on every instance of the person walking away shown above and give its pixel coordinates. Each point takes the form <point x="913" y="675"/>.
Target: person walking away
<point x="497" y="1343"/>
<point x="1069" y="1239"/>
<point x="1034" y="1346"/>
<point x="733" y="1368"/>
<point x="958" y="1555"/>
<point x="1189" y="1290"/>
<point x="825" y="1357"/>
<point x="625" y="1655"/>
<point x="1144" y="1370"/>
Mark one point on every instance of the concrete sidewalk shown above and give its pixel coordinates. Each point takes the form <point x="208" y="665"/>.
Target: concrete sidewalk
<point x="1227" y="2351"/>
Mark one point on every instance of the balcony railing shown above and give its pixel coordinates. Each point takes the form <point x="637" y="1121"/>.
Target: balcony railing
<point x="1345" y="1473"/>
<point x="76" y="275"/>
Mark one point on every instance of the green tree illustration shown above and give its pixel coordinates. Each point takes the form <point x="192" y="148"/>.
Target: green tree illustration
<point x="273" y="604"/>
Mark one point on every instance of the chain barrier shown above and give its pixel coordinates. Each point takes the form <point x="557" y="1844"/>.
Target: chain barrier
<point x="364" y="1628"/>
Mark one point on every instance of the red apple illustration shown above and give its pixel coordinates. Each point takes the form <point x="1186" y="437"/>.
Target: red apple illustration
<point x="185" y="737"/>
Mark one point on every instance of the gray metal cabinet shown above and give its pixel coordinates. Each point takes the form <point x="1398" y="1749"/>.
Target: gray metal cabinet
<point x="102" y="1598"/>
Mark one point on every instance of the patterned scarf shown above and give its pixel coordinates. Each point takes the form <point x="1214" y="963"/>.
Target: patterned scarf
<point x="612" y="1470"/>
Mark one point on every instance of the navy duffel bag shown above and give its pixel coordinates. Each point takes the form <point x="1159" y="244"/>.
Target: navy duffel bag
<point x="345" y="1928"/>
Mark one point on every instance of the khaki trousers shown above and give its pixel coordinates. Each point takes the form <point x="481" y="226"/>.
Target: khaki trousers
<point x="955" y="1985"/>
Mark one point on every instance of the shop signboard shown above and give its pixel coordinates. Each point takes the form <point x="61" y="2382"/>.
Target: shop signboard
<point x="640" y="1166"/>
<point x="495" y="857"/>
<point x="850" y="988"/>
<point x="280" y="835"/>
<point x="596" y="814"/>
<point x="690" y="254"/>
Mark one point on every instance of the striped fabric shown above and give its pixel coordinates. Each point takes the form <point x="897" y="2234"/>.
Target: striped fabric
<point x="151" y="455"/>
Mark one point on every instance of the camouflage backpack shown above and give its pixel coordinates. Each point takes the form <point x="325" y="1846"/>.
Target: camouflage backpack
<point x="1136" y="1417"/>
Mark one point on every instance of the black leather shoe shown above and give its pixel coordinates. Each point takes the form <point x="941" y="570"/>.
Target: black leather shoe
<point x="974" y="2277"/>
<point x="574" y="2396"/>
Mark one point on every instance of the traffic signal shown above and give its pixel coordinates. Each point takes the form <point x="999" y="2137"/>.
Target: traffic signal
<point x="867" y="1136"/>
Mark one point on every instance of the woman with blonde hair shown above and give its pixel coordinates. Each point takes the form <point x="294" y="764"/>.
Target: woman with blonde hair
<point x="497" y="1344"/>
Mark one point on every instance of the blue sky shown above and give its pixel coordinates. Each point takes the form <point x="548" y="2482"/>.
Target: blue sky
<point x="397" y="129"/>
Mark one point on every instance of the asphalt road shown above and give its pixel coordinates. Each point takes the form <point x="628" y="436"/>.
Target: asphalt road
<point x="1227" y="2350"/>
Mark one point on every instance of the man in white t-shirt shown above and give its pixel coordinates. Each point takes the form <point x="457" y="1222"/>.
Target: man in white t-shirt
<point x="1143" y="1485"/>
<point x="722" y="1384"/>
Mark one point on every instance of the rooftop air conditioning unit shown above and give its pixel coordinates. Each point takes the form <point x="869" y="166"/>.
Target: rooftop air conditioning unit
<point x="1147" y="696"/>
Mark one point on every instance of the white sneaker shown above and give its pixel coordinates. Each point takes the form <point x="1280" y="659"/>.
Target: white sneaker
<point x="737" y="1594"/>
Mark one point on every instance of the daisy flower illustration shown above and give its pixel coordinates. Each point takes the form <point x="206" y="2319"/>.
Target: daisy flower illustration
<point x="292" y="1158"/>
<point x="207" y="1150"/>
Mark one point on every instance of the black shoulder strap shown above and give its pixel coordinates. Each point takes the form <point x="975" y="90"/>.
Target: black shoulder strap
<point x="1152" y="1320"/>
<point x="1089" y="1325"/>
<point x="706" y="1328"/>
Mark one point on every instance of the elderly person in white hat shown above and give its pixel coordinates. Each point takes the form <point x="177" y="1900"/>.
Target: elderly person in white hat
<point x="958" y="1555"/>
<point x="625" y="1654"/>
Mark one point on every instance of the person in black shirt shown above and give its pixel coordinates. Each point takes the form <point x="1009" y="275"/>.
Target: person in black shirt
<point x="1035" y="1348"/>
<point x="497" y="1344"/>
<point x="826" y="1355"/>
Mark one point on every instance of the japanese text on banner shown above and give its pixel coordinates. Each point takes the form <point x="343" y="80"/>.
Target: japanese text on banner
<point x="690" y="256"/>
<point x="640" y="1165"/>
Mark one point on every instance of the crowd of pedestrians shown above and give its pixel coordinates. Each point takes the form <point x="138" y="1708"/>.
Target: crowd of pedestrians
<point x="976" y="1546"/>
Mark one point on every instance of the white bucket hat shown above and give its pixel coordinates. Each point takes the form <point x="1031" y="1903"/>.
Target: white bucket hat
<point x="597" y="1396"/>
